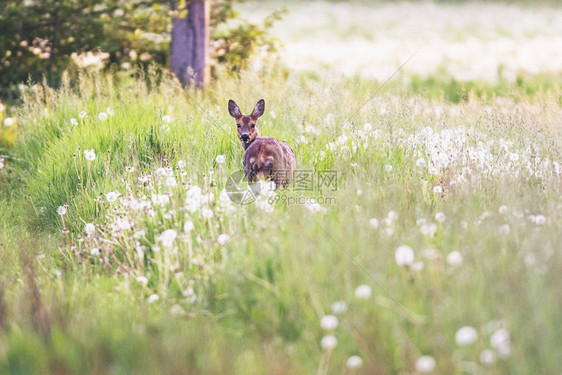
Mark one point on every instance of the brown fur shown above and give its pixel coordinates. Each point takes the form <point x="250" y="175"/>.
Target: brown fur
<point x="265" y="157"/>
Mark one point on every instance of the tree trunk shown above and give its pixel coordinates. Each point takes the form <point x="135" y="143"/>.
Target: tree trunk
<point x="190" y="42"/>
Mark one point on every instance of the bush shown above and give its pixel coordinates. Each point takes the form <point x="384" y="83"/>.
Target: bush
<point x="44" y="38"/>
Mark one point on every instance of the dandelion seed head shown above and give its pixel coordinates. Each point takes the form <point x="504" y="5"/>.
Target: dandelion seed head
<point x="374" y="223"/>
<point x="8" y="122"/>
<point x="466" y="336"/>
<point x="455" y="259"/>
<point x="339" y="307"/>
<point x="89" y="155"/>
<point x="223" y="238"/>
<point x="329" y="322"/>
<point x="363" y="291"/>
<point x="89" y="229"/>
<point x="142" y="280"/>
<point x="354" y="362"/>
<point x="404" y="255"/>
<point x="487" y="357"/>
<point x="425" y="364"/>
<point x="440" y="217"/>
<point x="328" y="342"/>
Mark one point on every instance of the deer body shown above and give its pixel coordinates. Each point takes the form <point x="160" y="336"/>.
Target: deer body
<point x="265" y="157"/>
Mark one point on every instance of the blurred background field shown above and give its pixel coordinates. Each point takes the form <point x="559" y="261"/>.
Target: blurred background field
<point x="438" y="252"/>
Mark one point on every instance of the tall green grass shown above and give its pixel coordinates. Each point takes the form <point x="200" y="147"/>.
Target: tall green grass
<point x="259" y="300"/>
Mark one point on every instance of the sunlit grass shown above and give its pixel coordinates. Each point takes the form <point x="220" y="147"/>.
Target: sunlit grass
<point x="255" y="303"/>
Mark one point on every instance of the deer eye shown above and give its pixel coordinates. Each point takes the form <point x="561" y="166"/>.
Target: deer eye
<point x="253" y="126"/>
<point x="238" y="126"/>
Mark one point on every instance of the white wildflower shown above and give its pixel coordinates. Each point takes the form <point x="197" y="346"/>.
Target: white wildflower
<point x="102" y="116"/>
<point x="171" y="182"/>
<point x="328" y="342"/>
<point x="220" y="159"/>
<point x="374" y="223"/>
<point x="142" y="280"/>
<point x="428" y="229"/>
<point x="487" y="357"/>
<point x="223" y="238"/>
<point x="188" y="226"/>
<point x="73" y="121"/>
<point x="339" y="307"/>
<point x="363" y="291"/>
<point x="8" y="121"/>
<point x="90" y="229"/>
<point x="501" y="342"/>
<point x="540" y="220"/>
<point x="425" y="363"/>
<point x="206" y="212"/>
<point x="153" y="298"/>
<point x="329" y="322"/>
<point x="89" y="155"/>
<point x="112" y="196"/>
<point x="440" y="217"/>
<point x="95" y="252"/>
<point x="466" y="336"/>
<point x="455" y="259"/>
<point x="404" y="255"/>
<point x="354" y="362"/>
<point x="61" y="210"/>
<point x="167" y="237"/>
<point x="388" y="168"/>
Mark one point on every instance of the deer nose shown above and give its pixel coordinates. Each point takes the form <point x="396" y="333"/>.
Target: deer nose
<point x="245" y="138"/>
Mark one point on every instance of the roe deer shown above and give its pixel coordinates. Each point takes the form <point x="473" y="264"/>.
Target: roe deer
<point x="265" y="157"/>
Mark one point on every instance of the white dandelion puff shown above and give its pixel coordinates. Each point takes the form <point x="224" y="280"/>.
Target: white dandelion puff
<point x="339" y="307"/>
<point x="329" y="322"/>
<point x="223" y="238"/>
<point x="328" y="342"/>
<point x="354" y="362"/>
<point x="425" y="363"/>
<point x="89" y="229"/>
<point x="363" y="291"/>
<point x="404" y="255"/>
<point x="142" y="280"/>
<point x="455" y="259"/>
<point x="466" y="336"/>
<point x="89" y="155"/>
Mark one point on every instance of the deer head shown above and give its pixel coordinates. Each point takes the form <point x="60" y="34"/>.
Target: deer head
<point x="247" y="130"/>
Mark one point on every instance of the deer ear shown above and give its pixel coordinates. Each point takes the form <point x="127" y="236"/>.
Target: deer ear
<point x="233" y="109"/>
<point x="258" y="109"/>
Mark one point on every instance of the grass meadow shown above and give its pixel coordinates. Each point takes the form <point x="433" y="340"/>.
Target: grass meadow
<point x="436" y="251"/>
